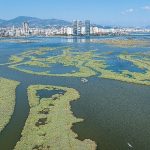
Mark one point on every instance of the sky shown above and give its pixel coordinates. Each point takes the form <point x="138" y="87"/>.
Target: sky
<point x="103" y="12"/>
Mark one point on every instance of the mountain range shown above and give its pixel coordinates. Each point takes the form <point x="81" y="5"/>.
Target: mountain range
<point x="1" y="21"/>
<point x="33" y="22"/>
<point x="42" y="23"/>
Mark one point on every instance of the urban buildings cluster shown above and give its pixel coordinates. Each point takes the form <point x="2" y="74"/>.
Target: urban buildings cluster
<point x="78" y="28"/>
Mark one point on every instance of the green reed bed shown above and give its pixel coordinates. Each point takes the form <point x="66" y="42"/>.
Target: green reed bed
<point x="86" y="64"/>
<point x="50" y="120"/>
<point x="7" y="100"/>
<point x="67" y="59"/>
<point x="124" y="43"/>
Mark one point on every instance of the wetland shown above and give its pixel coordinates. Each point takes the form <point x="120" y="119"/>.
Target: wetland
<point x="109" y="111"/>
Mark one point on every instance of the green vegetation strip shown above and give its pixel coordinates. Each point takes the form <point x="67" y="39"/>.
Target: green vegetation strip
<point x="7" y="100"/>
<point x="124" y="43"/>
<point x="50" y="120"/>
<point x="68" y="58"/>
<point x="87" y="63"/>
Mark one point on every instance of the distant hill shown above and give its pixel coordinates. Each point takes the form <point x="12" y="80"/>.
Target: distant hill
<point x="1" y="21"/>
<point x="33" y="22"/>
<point x="41" y="23"/>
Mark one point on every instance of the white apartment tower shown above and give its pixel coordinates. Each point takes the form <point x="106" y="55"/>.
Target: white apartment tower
<point x="77" y="27"/>
<point x="25" y="27"/>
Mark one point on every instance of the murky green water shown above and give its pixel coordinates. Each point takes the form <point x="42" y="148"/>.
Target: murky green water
<point x="116" y="113"/>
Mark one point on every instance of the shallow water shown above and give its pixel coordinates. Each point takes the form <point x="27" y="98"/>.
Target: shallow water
<point x="61" y="69"/>
<point x="52" y="69"/>
<point x="33" y="68"/>
<point x="48" y="54"/>
<point x="49" y="93"/>
<point x="116" y="113"/>
<point x="118" y="65"/>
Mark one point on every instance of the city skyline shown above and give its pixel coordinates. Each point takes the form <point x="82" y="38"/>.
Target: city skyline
<point x="113" y="12"/>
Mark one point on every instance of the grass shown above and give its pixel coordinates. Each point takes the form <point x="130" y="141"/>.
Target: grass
<point x="86" y="64"/>
<point x="67" y="59"/>
<point x="50" y="120"/>
<point x="7" y="100"/>
<point x="142" y="78"/>
<point x="124" y="43"/>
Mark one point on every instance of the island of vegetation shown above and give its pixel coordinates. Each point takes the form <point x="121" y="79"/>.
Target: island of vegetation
<point x="18" y="40"/>
<point x="50" y="120"/>
<point x="65" y="61"/>
<point x="124" y="43"/>
<point x="7" y="100"/>
<point x="72" y="62"/>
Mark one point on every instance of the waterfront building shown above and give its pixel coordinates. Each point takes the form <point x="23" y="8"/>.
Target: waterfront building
<point x="83" y="30"/>
<point x="25" y="28"/>
<point x="95" y="30"/>
<point x="77" y="27"/>
<point x="87" y="27"/>
<point x="69" y="31"/>
<point x="80" y="28"/>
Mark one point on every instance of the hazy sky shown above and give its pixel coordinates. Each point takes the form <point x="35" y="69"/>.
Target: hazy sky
<point x="105" y="12"/>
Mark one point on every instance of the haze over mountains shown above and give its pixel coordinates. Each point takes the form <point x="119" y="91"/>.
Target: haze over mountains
<point x="42" y="23"/>
<point x="1" y="21"/>
<point x="33" y="21"/>
<point x="37" y="22"/>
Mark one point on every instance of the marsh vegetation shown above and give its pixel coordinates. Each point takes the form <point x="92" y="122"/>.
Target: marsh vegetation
<point x="51" y="123"/>
<point x="50" y="120"/>
<point x="124" y="43"/>
<point x="7" y="100"/>
<point x="70" y="63"/>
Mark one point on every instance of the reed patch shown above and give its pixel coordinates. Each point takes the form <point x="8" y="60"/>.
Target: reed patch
<point x="49" y="122"/>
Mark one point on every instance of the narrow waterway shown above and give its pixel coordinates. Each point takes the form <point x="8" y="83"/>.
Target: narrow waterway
<point x="115" y="113"/>
<point x="11" y="133"/>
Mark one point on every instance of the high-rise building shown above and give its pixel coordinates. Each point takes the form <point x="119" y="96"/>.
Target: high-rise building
<point x="77" y="27"/>
<point x="87" y="27"/>
<point x="81" y="29"/>
<point x="25" y="27"/>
